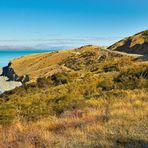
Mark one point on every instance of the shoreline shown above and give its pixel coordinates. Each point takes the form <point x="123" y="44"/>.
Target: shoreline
<point x="6" y="85"/>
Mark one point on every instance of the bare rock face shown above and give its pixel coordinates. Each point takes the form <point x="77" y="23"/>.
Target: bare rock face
<point x="9" y="72"/>
<point x="6" y="85"/>
<point x="136" y="44"/>
<point x="10" y="80"/>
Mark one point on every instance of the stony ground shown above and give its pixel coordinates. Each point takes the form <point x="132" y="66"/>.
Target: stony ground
<point x="7" y="85"/>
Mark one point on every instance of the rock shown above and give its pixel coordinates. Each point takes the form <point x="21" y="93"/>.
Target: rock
<point x="111" y="68"/>
<point x="25" y="79"/>
<point x="12" y="76"/>
<point x="101" y="58"/>
<point x="10" y="80"/>
<point x="58" y="80"/>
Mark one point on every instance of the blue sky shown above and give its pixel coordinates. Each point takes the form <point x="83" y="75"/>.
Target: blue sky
<point x="68" y="23"/>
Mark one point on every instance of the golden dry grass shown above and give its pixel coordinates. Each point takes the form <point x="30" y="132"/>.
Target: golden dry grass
<point x="89" y="103"/>
<point x="135" y="44"/>
<point x="107" y="122"/>
<point x="45" y="64"/>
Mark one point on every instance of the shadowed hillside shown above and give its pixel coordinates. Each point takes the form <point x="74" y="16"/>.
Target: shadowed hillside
<point x="137" y="44"/>
<point x="85" y="97"/>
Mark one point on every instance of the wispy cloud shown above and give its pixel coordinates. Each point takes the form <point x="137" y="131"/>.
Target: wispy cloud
<point x="59" y="42"/>
<point x="55" y="40"/>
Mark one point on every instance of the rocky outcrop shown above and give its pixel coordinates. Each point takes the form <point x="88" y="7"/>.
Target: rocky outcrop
<point x="9" y="72"/>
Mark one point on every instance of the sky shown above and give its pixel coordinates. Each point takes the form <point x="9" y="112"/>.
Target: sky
<point x="69" y="23"/>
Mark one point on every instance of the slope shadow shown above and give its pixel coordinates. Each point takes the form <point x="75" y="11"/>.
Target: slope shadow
<point x="132" y="143"/>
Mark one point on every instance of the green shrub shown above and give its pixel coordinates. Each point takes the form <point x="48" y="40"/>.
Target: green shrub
<point x="8" y="113"/>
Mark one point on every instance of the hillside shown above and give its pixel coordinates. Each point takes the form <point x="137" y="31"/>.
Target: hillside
<point x="45" y="64"/>
<point x="137" y="44"/>
<point x="84" y="97"/>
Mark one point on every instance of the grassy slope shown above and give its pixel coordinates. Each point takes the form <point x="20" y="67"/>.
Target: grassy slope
<point x="98" y="99"/>
<point x="45" y="64"/>
<point x="39" y="64"/>
<point x="145" y="35"/>
<point x="137" y="43"/>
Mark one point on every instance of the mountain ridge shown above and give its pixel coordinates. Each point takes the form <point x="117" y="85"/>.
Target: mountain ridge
<point x="84" y="97"/>
<point x="137" y="44"/>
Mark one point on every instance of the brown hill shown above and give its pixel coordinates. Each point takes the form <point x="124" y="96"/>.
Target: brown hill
<point x="137" y="44"/>
<point x="46" y="64"/>
<point x="93" y="98"/>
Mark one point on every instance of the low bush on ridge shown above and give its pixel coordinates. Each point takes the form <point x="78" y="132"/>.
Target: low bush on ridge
<point x="97" y="103"/>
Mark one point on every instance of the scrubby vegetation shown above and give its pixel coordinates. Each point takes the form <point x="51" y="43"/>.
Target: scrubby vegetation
<point x="136" y="44"/>
<point x="100" y="100"/>
<point x="145" y="35"/>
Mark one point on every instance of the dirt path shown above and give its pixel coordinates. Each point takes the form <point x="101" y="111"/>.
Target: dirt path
<point x="144" y="57"/>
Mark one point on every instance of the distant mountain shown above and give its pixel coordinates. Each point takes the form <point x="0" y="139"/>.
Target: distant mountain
<point x="37" y="47"/>
<point x="137" y="44"/>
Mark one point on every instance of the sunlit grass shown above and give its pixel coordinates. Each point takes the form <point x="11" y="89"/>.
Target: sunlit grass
<point x="93" y="104"/>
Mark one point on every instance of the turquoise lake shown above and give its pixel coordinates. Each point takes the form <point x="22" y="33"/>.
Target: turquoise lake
<point x="8" y="55"/>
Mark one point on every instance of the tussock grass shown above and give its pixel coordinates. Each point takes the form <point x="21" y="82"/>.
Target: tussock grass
<point x="94" y="103"/>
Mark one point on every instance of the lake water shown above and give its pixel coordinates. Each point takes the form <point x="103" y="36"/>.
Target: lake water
<point x="8" y="55"/>
<point x="5" y="57"/>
